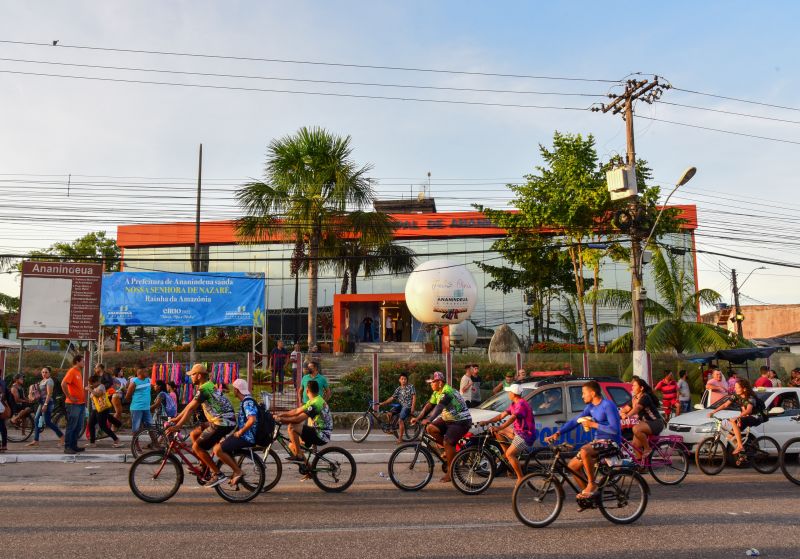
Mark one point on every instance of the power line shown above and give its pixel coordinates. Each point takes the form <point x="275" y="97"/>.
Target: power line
<point x="310" y="62"/>
<point x="737" y="99"/>
<point x="755" y="136"/>
<point x="722" y="111"/>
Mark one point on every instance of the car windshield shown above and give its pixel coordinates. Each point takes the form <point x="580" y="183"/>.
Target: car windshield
<point x="500" y="402"/>
<point x="735" y="407"/>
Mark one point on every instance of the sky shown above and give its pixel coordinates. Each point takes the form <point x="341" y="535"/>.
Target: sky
<point x="99" y="132"/>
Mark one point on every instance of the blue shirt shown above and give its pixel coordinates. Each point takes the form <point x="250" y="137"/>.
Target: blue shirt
<point x="141" y="394"/>
<point x="248" y="408"/>
<point x="605" y="414"/>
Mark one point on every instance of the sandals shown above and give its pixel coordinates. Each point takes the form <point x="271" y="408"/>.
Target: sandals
<point x="236" y="479"/>
<point x="33" y="443"/>
<point x="586" y="494"/>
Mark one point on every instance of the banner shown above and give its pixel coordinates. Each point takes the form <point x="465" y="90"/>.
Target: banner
<point x="182" y="299"/>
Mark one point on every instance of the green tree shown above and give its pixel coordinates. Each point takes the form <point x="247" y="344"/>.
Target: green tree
<point x="311" y="189"/>
<point x="570" y="329"/>
<point x="94" y="246"/>
<point x="8" y="306"/>
<point x="671" y="325"/>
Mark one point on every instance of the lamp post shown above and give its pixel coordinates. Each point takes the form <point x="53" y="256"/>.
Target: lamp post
<point x="639" y="294"/>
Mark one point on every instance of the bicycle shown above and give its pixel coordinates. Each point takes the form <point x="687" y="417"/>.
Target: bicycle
<point x="22" y="430"/>
<point x="333" y="469"/>
<point x="668" y="459"/>
<point x="711" y="454"/>
<point x="621" y="496"/>
<point x="411" y="464"/>
<point x="364" y="424"/>
<point x="790" y="458"/>
<point x="475" y="466"/>
<point x="157" y="475"/>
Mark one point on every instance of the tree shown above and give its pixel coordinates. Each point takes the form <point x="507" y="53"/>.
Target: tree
<point x="568" y="320"/>
<point x="8" y="306"/>
<point x="311" y="189"/>
<point x="91" y="247"/>
<point x="672" y="325"/>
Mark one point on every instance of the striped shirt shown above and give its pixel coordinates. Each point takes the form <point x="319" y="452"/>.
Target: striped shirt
<point x="668" y="389"/>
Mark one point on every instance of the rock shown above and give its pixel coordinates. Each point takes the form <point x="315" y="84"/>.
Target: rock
<point x="504" y="346"/>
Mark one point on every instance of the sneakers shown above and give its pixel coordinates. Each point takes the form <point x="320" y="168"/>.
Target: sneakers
<point x="69" y="451"/>
<point x="79" y="449"/>
<point x="216" y="479"/>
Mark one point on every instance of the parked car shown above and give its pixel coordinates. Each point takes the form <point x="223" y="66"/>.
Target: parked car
<point x="696" y="425"/>
<point x="554" y="401"/>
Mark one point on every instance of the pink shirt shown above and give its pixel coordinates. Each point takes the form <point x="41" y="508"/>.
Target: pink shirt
<point x="721" y="392"/>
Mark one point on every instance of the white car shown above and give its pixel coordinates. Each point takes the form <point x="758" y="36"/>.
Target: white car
<point x="696" y="425"/>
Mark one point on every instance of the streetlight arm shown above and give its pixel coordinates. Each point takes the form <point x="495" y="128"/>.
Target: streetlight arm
<point x="658" y="218"/>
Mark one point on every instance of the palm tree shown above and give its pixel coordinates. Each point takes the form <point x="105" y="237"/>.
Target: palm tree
<point x="310" y="189"/>
<point x="672" y="324"/>
<point x="569" y="320"/>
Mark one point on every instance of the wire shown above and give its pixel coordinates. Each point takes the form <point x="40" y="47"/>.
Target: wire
<point x="309" y="62"/>
<point x="781" y="140"/>
<point x="737" y="99"/>
<point x="734" y="113"/>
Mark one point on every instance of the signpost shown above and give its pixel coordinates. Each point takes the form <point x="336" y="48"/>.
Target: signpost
<point x="60" y="300"/>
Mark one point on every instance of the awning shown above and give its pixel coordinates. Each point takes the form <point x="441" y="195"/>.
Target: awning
<point x="737" y="356"/>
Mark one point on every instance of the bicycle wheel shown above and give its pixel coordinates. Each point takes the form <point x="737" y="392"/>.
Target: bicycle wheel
<point x="250" y="485"/>
<point x="668" y="463"/>
<point x="790" y="460"/>
<point x="623" y="497"/>
<point x="333" y="469"/>
<point x="766" y="456"/>
<point x="361" y="428"/>
<point x="273" y="468"/>
<point x="473" y="471"/>
<point x="539" y="460"/>
<point x="710" y="456"/>
<point x="412" y="432"/>
<point x="147" y="439"/>
<point x="154" y="478"/>
<point x="21" y="432"/>
<point x="537" y="500"/>
<point x="411" y="467"/>
<point x="60" y="419"/>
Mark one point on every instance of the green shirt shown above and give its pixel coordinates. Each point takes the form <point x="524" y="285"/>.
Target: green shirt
<point x="216" y="406"/>
<point x="317" y="409"/>
<point x="321" y="380"/>
<point x="454" y="406"/>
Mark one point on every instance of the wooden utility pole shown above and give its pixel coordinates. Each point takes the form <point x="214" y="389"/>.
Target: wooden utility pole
<point x="736" y="308"/>
<point x="196" y="251"/>
<point x="647" y="91"/>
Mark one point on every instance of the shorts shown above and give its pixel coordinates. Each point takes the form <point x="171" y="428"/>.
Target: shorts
<point x="669" y="404"/>
<point x="520" y="444"/>
<point x="655" y="425"/>
<point x="605" y="448"/>
<point x="231" y="444"/>
<point x="140" y="417"/>
<point x="211" y="435"/>
<point x="453" y="431"/>
<point x="310" y="436"/>
<point x="685" y="406"/>
<point x="749" y="421"/>
<point x="404" y="413"/>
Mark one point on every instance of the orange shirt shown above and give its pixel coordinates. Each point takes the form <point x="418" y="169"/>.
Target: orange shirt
<point x="74" y="382"/>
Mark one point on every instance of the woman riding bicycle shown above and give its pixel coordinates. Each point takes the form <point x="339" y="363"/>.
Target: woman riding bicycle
<point x="644" y="405"/>
<point x="746" y="400"/>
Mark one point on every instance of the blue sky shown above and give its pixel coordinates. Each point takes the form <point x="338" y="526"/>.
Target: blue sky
<point x="740" y="49"/>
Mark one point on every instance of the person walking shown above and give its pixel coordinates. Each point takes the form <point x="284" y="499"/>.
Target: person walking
<point x="277" y="361"/>
<point x="101" y="411"/>
<point x="44" y="415"/>
<point x="75" y="402"/>
<point x="684" y="392"/>
<point x="138" y="395"/>
<point x="295" y="358"/>
<point x="465" y="387"/>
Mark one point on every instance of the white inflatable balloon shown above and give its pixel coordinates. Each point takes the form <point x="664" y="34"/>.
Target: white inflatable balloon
<point x="441" y="292"/>
<point x="464" y="334"/>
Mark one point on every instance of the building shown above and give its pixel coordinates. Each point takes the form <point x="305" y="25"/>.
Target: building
<point x="464" y="237"/>
<point x="770" y="324"/>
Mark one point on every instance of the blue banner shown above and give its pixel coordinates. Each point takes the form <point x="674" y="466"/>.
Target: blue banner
<point x="182" y="299"/>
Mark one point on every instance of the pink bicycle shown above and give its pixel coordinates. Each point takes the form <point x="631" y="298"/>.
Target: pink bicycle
<point x="667" y="461"/>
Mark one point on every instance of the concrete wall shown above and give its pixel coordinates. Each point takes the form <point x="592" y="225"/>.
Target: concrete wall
<point x="763" y="321"/>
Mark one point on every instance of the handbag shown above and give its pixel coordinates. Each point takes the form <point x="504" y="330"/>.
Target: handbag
<point x="5" y="411"/>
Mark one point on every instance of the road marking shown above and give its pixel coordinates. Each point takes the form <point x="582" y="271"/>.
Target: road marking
<point x="317" y="530"/>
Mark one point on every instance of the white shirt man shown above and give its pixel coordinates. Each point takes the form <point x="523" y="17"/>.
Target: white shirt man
<point x="465" y="388"/>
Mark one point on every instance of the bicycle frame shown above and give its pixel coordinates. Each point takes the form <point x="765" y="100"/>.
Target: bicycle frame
<point x="283" y="441"/>
<point x="644" y="461"/>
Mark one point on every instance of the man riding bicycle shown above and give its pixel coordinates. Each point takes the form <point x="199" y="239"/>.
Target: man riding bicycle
<point x="403" y="400"/>
<point x="603" y="416"/>
<point x="300" y="431"/>
<point x="452" y="418"/>
<point x="219" y="414"/>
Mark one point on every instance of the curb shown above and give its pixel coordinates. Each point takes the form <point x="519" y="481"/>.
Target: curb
<point x="360" y="458"/>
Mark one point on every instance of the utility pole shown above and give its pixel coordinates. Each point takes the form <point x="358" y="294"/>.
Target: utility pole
<point x="738" y="317"/>
<point x="647" y="91"/>
<point x="196" y="252"/>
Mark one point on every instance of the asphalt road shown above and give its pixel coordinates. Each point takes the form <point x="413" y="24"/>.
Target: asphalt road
<point x="67" y="510"/>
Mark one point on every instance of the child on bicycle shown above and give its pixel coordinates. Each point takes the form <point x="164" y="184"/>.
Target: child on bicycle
<point x="745" y="398"/>
<point x="524" y="434"/>
<point x="405" y="400"/>
<point x="300" y="431"/>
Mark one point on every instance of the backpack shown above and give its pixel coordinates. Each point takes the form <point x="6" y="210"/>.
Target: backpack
<point x="760" y="409"/>
<point x="265" y="425"/>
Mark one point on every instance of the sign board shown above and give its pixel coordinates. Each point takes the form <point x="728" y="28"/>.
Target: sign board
<point x="60" y="300"/>
<point x="182" y="299"/>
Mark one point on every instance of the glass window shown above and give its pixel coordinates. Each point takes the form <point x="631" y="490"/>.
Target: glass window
<point x="619" y="395"/>
<point x="547" y="402"/>
<point x="576" y="399"/>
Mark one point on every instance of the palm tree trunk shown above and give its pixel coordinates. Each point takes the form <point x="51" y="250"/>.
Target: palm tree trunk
<point x="313" y="269"/>
<point x="577" y="267"/>
<point x="345" y="283"/>
<point x="353" y="279"/>
<point x="595" y="334"/>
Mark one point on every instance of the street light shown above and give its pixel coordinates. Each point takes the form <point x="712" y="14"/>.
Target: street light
<point x="685" y="177"/>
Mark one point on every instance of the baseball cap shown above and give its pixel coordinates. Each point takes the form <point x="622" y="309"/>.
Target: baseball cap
<point x="438" y="375"/>
<point x="514" y="389"/>
<point x="241" y="385"/>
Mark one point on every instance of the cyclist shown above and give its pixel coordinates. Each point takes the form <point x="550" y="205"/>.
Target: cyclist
<point x="644" y="407"/>
<point x="245" y="434"/>
<point x="319" y="433"/>
<point x="21" y="405"/>
<point x="452" y="418"/>
<point x="524" y="434"/>
<point x="669" y="390"/>
<point x="599" y="414"/>
<point x="745" y="398"/>
<point x="219" y="414"/>
<point x="404" y="398"/>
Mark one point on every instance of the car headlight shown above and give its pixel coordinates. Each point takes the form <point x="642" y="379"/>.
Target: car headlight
<point x="707" y="428"/>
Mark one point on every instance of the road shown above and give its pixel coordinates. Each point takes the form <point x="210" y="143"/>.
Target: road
<point x="66" y="510"/>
